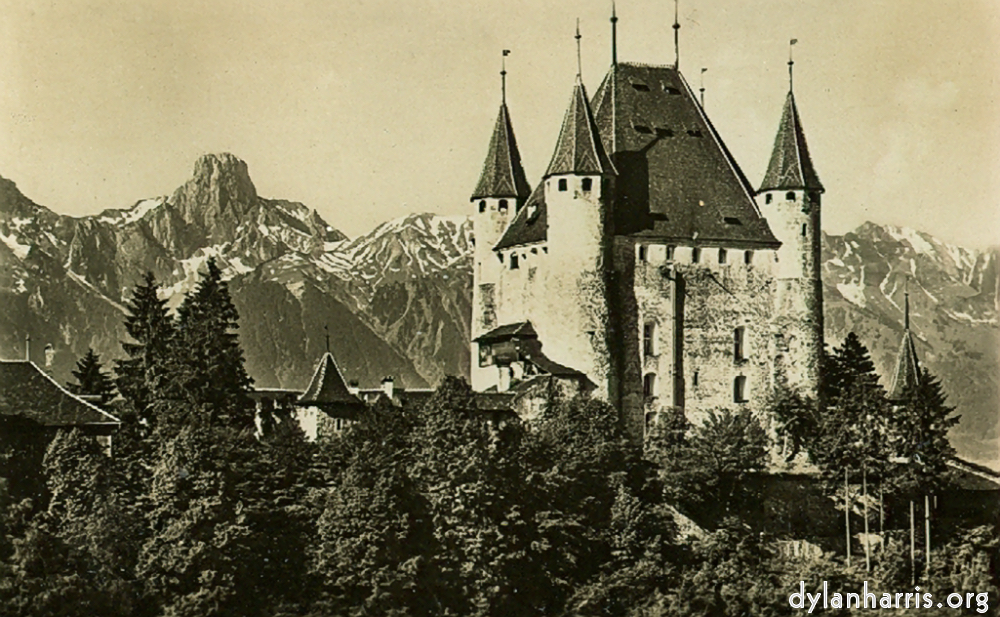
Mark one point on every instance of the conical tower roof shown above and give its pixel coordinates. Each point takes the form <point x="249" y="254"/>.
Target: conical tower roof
<point x="579" y="149"/>
<point x="907" y="366"/>
<point x="790" y="168"/>
<point x="328" y="386"/>
<point x="503" y="175"/>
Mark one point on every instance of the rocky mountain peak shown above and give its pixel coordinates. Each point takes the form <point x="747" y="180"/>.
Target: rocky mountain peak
<point x="219" y="191"/>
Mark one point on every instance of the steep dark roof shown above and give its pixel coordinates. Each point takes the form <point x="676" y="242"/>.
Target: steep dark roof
<point x="579" y="149"/>
<point x="328" y="386"/>
<point x="907" y="368"/>
<point x="503" y="175"/>
<point x="791" y="167"/>
<point x="27" y="391"/>
<point x="676" y="178"/>
<point x="530" y="224"/>
<point x="521" y="329"/>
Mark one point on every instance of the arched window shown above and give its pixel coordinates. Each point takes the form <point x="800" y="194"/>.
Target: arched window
<point x="739" y="389"/>
<point x="502" y="206"/>
<point x="790" y="196"/>
<point x="722" y="256"/>
<point x="695" y="255"/>
<point x="482" y="205"/>
<point x="587" y="184"/>
<point x="748" y="257"/>
<point x="649" y="385"/>
<point x="739" y="343"/>
<point x="562" y="184"/>
<point x="649" y="339"/>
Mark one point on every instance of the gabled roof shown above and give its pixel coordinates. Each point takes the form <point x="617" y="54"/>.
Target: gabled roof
<point x="579" y="149"/>
<point x="676" y="178"/>
<point x="328" y="386"/>
<point x="907" y="368"/>
<point x="521" y="329"/>
<point x="28" y="392"/>
<point x="791" y="166"/>
<point x="503" y="175"/>
<point x="530" y="225"/>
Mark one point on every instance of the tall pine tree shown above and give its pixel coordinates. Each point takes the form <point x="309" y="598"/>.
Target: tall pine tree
<point x="91" y="378"/>
<point x="152" y="330"/>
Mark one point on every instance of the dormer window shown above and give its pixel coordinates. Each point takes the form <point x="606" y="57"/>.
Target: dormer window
<point x="670" y="89"/>
<point x="641" y="128"/>
<point x="482" y="205"/>
<point x="532" y="212"/>
<point x="640" y="87"/>
<point x="502" y="206"/>
<point x="587" y="184"/>
<point x="670" y="252"/>
<point x="790" y="196"/>
<point x="562" y="184"/>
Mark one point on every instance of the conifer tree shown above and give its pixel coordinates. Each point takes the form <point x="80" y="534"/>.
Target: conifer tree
<point x="91" y="378"/>
<point x="150" y="327"/>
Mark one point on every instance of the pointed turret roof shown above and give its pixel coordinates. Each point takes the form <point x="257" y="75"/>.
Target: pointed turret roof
<point x="328" y="386"/>
<point x="579" y="149"/>
<point x="790" y="166"/>
<point x="503" y="175"/>
<point x="907" y="366"/>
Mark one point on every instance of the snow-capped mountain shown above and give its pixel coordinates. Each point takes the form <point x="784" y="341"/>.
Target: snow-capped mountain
<point x="397" y="300"/>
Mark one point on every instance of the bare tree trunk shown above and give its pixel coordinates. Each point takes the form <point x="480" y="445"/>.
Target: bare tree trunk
<point x="913" y="546"/>
<point x="864" y="503"/>
<point x="847" y="516"/>
<point x="927" y="529"/>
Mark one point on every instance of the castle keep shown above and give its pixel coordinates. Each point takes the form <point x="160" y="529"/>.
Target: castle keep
<point x="644" y="267"/>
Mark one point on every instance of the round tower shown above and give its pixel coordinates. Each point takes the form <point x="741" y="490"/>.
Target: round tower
<point x="790" y="199"/>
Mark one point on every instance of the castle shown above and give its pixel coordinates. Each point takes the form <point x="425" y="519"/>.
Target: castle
<point x="644" y="267"/>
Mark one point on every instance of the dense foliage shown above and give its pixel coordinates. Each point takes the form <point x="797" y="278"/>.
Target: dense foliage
<point x="436" y="510"/>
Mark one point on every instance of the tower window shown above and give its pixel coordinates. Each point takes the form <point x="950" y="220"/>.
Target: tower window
<point x="513" y="262"/>
<point x="722" y="256"/>
<point x="502" y="206"/>
<point x="694" y="378"/>
<point x="587" y="184"/>
<point x="482" y="205"/>
<point x="670" y="252"/>
<point x="695" y="255"/>
<point x="805" y="229"/>
<point x="649" y="385"/>
<point x="731" y="220"/>
<point x="748" y="257"/>
<point x="790" y="196"/>
<point x="562" y="184"/>
<point x="739" y="343"/>
<point x="768" y="198"/>
<point x="739" y="389"/>
<point x="649" y="340"/>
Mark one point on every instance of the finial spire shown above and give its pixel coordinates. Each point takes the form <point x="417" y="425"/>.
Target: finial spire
<point x="702" y="89"/>
<point x="791" y="62"/>
<point x="579" y="58"/>
<point x="677" y="35"/>
<point x="326" y="329"/>
<point x="503" y="76"/>
<point x="906" y="304"/>
<point x="614" y="35"/>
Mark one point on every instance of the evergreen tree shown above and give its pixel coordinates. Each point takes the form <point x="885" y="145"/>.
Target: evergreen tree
<point x="150" y="327"/>
<point x="91" y="378"/>
<point x="920" y="436"/>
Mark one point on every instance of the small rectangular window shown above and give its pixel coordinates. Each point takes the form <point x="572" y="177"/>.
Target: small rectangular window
<point x="722" y="256"/>
<point x="587" y="183"/>
<point x="670" y="252"/>
<point x="642" y="252"/>
<point x="768" y="198"/>
<point x="695" y="255"/>
<point x="739" y="343"/>
<point x="649" y="339"/>
<point x="562" y="184"/>
<point x="513" y="262"/>
<point x="739" y="389"/>
<point x="732" y="220"/>
<point x="482" y="205"/>
<point x="748" y="257"/>
<point x="640" y="87"/>
<point x="649" y="385"/>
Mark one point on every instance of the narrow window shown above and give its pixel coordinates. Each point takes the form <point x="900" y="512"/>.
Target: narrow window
<point x="502" y="206"/>
<point x="562" y="184"/>
<point x="513" y="262"/>
<point x="767" y="198"/>
<point x="739" y="389"/>
<point x="500" y="257"/>
<point x="748" y="257"/>
<point x="649" y="340"/>
<point x="722" y="256"/>
<point x="790" y="196"/>
<point x="694" y="378"/>
<point x="482" y="205"/>
<point x="649" y="385"/>
<point x="587" y="183"/>
<point x="695" y="255"/>
<point x="804" y="230"/>
<point x="739" y="343"/>
<point x="670" y="252"/>
<point x="642" y="252"/>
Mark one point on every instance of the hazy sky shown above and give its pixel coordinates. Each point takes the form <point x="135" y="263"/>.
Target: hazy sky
<point x="372" y="109"/>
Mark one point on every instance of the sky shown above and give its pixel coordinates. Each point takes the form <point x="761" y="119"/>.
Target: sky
<point x="372" y="109"/>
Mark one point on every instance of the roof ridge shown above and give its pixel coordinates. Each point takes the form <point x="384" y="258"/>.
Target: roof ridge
<point x="70" y="394"/>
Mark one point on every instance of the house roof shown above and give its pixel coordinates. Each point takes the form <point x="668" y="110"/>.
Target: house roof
<point x="791" y="167"/>
<point x="521" y="329"/>
<point x="328" y="386"/>
<point x="29" y="392"/>
<point x="503" y="175"/>
<point x="530" y="225"/>
<point x="676" y="178"/>
<point x="579" y="149"/>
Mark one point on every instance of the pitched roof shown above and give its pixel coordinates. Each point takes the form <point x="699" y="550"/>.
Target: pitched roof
<point x="328" y="386"/>
<point x="503" y="175"/>
<point x="521" y="329"/>
<point x="27" y="391"/>
<point x="530" y="224"/>
<point x="791" y="167"/>
<point x="676" y="178"/>
<point x="579" y="149"/>
<point x="907" y="368"/>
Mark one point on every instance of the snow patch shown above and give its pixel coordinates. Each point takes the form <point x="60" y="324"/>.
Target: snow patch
<point x="20" y="250"/>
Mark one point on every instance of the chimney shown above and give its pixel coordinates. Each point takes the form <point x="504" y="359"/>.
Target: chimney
<point x="50" y="353"/>
<point x="27" y="348"/>
<point x="504" y="384"/>
<point x="387" y="386"/>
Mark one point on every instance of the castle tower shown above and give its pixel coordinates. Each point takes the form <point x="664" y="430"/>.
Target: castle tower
<point x="578" y="187"/>
<point x="501" y="191"/>
<point x="789" y="197"/>
<point x="907" y="372"/>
